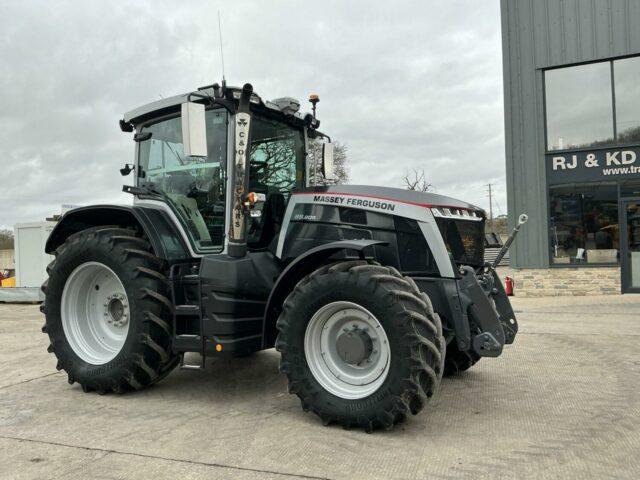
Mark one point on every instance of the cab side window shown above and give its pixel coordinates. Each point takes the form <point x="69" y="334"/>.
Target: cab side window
<point x="276" y="167"/>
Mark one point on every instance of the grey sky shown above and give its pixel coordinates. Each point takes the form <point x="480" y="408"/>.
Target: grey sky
<point x="403" y="84"/>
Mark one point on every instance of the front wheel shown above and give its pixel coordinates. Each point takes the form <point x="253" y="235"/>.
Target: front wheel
<point x="458" y="361"/>
<point x="360" y="344"/>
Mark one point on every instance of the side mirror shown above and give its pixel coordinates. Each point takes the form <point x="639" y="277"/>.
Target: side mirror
<point x="194" y="130"/>
<point x="327" y="161"/>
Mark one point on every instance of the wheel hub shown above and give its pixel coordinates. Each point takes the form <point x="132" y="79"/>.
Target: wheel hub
<point x="115" y="310"/>
<point x="347" y="350"/>
<point x="354" y="346"/>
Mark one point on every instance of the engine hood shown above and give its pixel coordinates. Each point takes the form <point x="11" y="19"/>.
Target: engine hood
<point x="425" y="199"/>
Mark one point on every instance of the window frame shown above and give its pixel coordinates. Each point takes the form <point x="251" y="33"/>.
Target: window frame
<point x="610" y="61"/>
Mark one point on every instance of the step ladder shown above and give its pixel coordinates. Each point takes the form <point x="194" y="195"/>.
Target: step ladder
<point x="187" y="315"/>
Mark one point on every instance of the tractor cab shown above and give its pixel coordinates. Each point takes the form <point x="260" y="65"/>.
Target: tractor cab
<point x="186" y="158"/>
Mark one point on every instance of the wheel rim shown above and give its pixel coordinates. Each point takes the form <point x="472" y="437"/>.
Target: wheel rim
<point x="95" y="313"/>
<point x="347" y="350"/>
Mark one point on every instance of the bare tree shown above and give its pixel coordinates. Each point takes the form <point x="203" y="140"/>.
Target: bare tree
<point x="6" y="239"/>
<point x="416" y="180"/>
<point x="340" y="164"/>
<point x="274" y="163"/>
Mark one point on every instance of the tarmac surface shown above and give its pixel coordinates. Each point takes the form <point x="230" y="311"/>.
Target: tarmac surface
<point x="562" y="402"/>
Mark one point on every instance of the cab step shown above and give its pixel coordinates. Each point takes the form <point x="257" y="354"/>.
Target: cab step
<point x="192" y="366"/>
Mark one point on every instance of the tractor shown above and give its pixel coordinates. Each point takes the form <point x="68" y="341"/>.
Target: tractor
<point x="237" y="241"/>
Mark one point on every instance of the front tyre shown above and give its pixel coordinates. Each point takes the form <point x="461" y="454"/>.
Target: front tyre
<point x="108" y="313"/>
<point x="360" y="344"/>
<point x="458" y="361"/>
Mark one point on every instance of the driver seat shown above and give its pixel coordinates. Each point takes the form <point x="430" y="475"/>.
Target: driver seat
<point x="269" y="225"/>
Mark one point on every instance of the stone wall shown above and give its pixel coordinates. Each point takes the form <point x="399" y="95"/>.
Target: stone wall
<point x="545" y="282"/>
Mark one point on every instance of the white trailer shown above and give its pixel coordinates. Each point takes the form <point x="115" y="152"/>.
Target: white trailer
<point x="30" y="262"/>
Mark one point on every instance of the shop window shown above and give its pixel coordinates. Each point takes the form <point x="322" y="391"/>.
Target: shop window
<point x="630" y="189"/>
<point x="584" y="224"/>
<point x="579" y="106"/>
<point x="626" y="74"/>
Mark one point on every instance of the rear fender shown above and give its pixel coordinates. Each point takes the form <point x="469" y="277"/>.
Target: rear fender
<point x="158" y="227"/>
<point x="297" y="269"/>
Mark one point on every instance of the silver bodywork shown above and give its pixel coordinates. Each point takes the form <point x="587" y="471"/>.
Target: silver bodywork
<point x="422" y="214"/>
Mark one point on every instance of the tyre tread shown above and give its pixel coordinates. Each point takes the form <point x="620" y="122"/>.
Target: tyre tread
<point x="423" y="334"/>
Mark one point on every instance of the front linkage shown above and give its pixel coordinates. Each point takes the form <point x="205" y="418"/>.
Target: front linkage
<point x="484" y="299"/>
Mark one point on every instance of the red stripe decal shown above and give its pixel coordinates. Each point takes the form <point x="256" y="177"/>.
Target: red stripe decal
<point x="425" y="205"/>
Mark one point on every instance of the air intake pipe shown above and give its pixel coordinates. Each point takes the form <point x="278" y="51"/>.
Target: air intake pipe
<point x="242" y="125"/>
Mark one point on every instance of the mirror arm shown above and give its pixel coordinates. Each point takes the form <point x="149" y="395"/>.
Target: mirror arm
<point x="317" y="134"/>
<point x="226" y="104"/>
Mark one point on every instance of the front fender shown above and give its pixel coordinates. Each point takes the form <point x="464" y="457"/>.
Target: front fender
<point x="298" y="268"/>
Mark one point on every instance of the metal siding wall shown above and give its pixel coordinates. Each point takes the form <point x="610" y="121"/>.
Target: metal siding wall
<point x="538" y="34"/>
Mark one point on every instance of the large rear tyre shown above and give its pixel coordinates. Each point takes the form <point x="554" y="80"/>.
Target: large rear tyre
<point x="108" y="313"/>
<point x="360" y="344"/>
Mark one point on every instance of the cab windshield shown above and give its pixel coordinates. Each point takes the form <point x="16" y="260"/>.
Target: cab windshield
<point x="195" y="187"/>
<point x="464" y="240"/>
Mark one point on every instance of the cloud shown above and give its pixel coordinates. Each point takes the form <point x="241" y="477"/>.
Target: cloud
<point x="413" y="84"/>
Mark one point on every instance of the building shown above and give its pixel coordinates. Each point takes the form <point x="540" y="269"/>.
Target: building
<point x="572" y="130"/>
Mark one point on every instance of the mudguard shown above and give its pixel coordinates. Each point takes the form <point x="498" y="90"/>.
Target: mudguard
<point x="299" y="267"/>
<point x="163" y="235"/>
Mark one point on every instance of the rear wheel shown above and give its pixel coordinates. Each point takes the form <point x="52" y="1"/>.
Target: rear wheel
<point x="108" y="313"/>
<point x="360" y="344"/>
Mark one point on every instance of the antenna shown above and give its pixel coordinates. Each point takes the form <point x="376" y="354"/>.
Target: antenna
<point x="224" y="80"/>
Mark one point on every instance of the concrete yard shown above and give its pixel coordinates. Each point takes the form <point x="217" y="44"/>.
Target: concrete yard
<point x="562" y="402"/>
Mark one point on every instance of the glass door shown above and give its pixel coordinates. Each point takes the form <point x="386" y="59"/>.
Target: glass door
<point x="630" y="239"/>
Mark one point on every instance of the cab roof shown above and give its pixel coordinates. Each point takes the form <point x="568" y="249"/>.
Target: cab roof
<point x="172" y="104"/>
